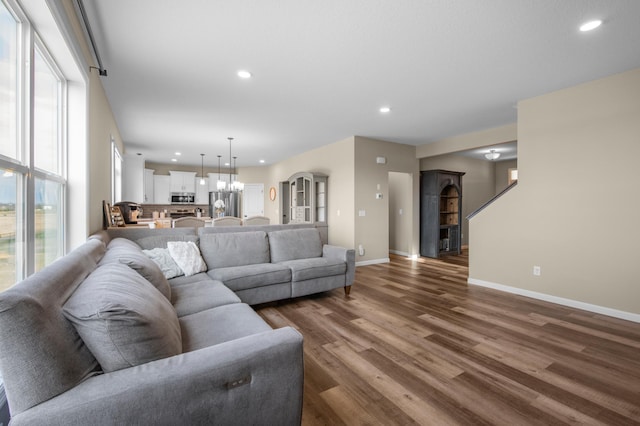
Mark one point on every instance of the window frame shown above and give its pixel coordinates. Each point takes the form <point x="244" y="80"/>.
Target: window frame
<point x="28" y="40"/>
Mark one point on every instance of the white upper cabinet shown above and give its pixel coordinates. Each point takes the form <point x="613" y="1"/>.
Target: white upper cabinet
<point x="183" y="181"/>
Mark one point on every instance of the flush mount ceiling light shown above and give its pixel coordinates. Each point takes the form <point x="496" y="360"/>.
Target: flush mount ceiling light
<point x="178" y="153"/>
<point x="591" y="25"/>
<point x="385" y="109"/>
<point x="174" y="160"/>
<point x="244" y="74"/>
<point x="492" y="155"/>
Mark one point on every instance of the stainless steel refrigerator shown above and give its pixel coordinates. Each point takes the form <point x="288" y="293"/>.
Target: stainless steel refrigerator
<point x="232" y="203"/>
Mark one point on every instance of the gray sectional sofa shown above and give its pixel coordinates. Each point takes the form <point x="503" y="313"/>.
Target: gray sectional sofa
<point x="260" y="263"/>
<point x="101" y="337"/>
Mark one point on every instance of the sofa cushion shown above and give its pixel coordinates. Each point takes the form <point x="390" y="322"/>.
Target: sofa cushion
<point x="138" y="261"/>
<point x="317" y="267"/>
<point x="199" y="296"/>
<point x="181" y="280"/>
<point x="251" y="276"/>
<point x="165" y="262"/>
<point x="123" y="319"/>
<point x="234" y="249"/>
<point x="221" y="324"/>
<point x="160" y="241"/>
<point x="293" y="244"/>
<point x="187" y="256"/>
<point x="122" y="242"/>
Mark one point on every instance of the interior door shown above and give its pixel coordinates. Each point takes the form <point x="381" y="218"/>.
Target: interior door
<point x="253" y="200"/>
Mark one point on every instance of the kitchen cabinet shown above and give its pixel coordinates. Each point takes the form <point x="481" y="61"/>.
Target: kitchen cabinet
<point x="148" y="186"/>
<point x="133" y="178"/>
<point x="162" y="189"/>
<point x="183" y="181"/>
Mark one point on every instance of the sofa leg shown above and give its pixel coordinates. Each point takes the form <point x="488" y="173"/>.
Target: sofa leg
<point x="347" y="290"/>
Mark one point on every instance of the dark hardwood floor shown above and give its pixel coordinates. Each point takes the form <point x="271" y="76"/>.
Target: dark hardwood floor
<point x="414" y="344"/>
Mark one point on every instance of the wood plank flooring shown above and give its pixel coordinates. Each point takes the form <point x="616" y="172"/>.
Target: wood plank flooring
<point x="414" y="344"/>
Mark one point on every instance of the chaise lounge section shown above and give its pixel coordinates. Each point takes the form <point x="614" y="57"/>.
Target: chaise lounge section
<point x="101" y="337"/>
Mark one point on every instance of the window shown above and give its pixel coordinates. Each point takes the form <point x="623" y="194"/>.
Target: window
<point x="116" y="173"/>
<point x="32" y="150"/>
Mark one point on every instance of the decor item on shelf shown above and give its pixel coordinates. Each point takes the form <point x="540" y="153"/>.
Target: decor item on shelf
<point x="202" y="181"/>
<point x="492" y="155"/>
<point x="219" y="206"/>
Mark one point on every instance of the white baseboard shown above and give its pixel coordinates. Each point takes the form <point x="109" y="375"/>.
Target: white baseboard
<point x="629" y="316"/>
<point x="400" y="253"/>
<point x="373" y="261"/>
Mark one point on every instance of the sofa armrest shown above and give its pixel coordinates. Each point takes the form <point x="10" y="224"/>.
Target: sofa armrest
<point x="347" y="255"/>
<point x="256" y="379"/>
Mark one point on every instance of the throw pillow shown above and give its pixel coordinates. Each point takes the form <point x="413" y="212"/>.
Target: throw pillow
<point x="160" y="241"/>
<point x="187" y="255"/>
<point x="123" y="319"/>
<point x="164" y="260"/>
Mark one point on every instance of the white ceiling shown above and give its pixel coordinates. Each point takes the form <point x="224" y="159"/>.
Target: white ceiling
<point x="322" y="69"/>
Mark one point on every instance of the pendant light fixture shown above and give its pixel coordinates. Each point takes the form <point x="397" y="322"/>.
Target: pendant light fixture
<point x="202" y="181"/>
<point x="233" y="186"/>
<point x="230" y="178"/>
<point x="220" y="184"/>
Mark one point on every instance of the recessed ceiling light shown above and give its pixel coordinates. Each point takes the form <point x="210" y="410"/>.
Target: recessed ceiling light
<point x="226" y="164"/>
<point x="174" y="160"/>
<point x="178" y="153"/>
<point x="244" y="74"/>
<point x="261" y="161"/>
<point x="591" y="25"/>
<point x="385" y="109"/>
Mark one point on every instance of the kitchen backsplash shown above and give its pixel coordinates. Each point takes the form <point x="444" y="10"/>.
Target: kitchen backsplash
<point x="148" y="209"/>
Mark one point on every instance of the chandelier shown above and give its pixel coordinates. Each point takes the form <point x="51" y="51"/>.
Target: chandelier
<point x="231" y="185"/>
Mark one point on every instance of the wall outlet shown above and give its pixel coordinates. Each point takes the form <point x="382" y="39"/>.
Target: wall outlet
<point x="536" y="271"/>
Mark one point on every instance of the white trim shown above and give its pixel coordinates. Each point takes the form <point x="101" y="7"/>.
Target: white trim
<point x="400" y="253"/>
<point x="373" y="261"/>
<point x="629" y="316"/>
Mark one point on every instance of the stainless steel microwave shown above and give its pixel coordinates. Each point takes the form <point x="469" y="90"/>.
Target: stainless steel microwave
<point x="183" y="198"/>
